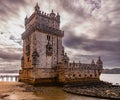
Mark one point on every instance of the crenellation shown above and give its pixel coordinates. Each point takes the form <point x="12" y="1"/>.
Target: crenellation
<point x="41" y="27"/>
<point x="40" y="16"/>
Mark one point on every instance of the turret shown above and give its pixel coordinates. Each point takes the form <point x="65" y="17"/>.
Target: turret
<point x="37" y="7"/>
<point x="66" y="60"/>
<point x="73" y="64"/>
<point x="26" y="20"/>
<point x="58" y="17"/>
<point x="52" y="14"/>
<point x="79" y="63"/>
<point x="93" y="63"/>
<point x="99" y="62"/>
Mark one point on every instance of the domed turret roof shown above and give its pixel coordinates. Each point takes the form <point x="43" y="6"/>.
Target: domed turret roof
<point x="99" y="61"/>
<point x="66" y="58"/>
<point x="93" y="63"/>
<point x="52" y="14"/>
<point x="58" y="15"/>
<point x="37" y="7"/>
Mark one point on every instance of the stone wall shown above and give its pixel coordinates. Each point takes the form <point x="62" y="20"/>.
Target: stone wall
<point x="76" y="75"/>
<point x="38" y="75"/>
<point x="44" y="60"/>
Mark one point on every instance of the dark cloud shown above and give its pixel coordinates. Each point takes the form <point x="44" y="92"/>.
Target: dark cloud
<point x="96" y="4"/>
<point x="92" y="45"/>
<point x="10" y="8"/>
<point x="109" y="50"/>
<point x="77" y="8"/>
<point x="12" y="37"/>
<point x="110" y="27"/>
<point x="106" y="27"/>
<point x="68" y="6"/>
<point x="10" y="54"/>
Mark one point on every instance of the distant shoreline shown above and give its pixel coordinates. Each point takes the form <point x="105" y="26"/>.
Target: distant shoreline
<point x="111" y="71"/>
<point x="9" y="71"/>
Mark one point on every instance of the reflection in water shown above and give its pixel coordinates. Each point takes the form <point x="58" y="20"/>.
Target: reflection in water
<point x="56" y="93"/>
<point x="52" y="93"/>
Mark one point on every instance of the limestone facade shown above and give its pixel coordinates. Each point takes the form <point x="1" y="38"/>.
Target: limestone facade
<point x="44" y="60"/>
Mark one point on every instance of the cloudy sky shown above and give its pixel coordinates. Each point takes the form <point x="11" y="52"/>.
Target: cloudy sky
<point x="92" y="29"/>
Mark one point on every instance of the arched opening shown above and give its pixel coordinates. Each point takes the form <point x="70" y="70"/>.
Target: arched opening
<point x="79" y="75"/>
<point x="73" y="75"/>
<point x="91" y="75"/>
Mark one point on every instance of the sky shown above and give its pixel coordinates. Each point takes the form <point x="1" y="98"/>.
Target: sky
<point x="91" y="28"/>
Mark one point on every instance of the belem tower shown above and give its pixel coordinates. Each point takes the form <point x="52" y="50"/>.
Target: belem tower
<point x="44" y="60"/>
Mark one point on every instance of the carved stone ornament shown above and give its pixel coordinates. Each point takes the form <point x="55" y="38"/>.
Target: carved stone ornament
<point x="49" y="49"/>
<point x="35" y="56"/>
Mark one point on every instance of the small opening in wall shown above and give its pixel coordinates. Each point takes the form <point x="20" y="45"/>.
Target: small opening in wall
<point x="48" y="37"/>
<point x="73" y="75"/>
<point x="28" y="59"/>
<point x="95" y="75"/>
<point x="80" y="75"/>
<point x="90" y="75"/>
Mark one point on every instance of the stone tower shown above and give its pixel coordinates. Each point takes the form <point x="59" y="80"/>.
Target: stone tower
<point x="44" y="60"/>
<point x="42" y="46"/>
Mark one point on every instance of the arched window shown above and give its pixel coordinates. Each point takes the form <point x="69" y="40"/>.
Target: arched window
<point x="73" y="75"/>
<point x="28" y="59"/>
<point x="91" y="75"/>
<point x="79" y="75"/>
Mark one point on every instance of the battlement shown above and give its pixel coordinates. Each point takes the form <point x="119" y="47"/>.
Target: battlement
<point x="50" y="20"/>
<point x="93" y="66"/>
<point x="83" y="66"/>
<point x="55" y="17"/>
<point x="42" y="28"/>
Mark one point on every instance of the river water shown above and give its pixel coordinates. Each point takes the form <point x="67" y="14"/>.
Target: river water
<point x="112" y="78"/>
<point x="56" y="93"/>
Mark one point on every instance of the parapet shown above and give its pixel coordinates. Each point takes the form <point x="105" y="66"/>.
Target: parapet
<point x="42" y="28"/>
<point x="43" y="17"/>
